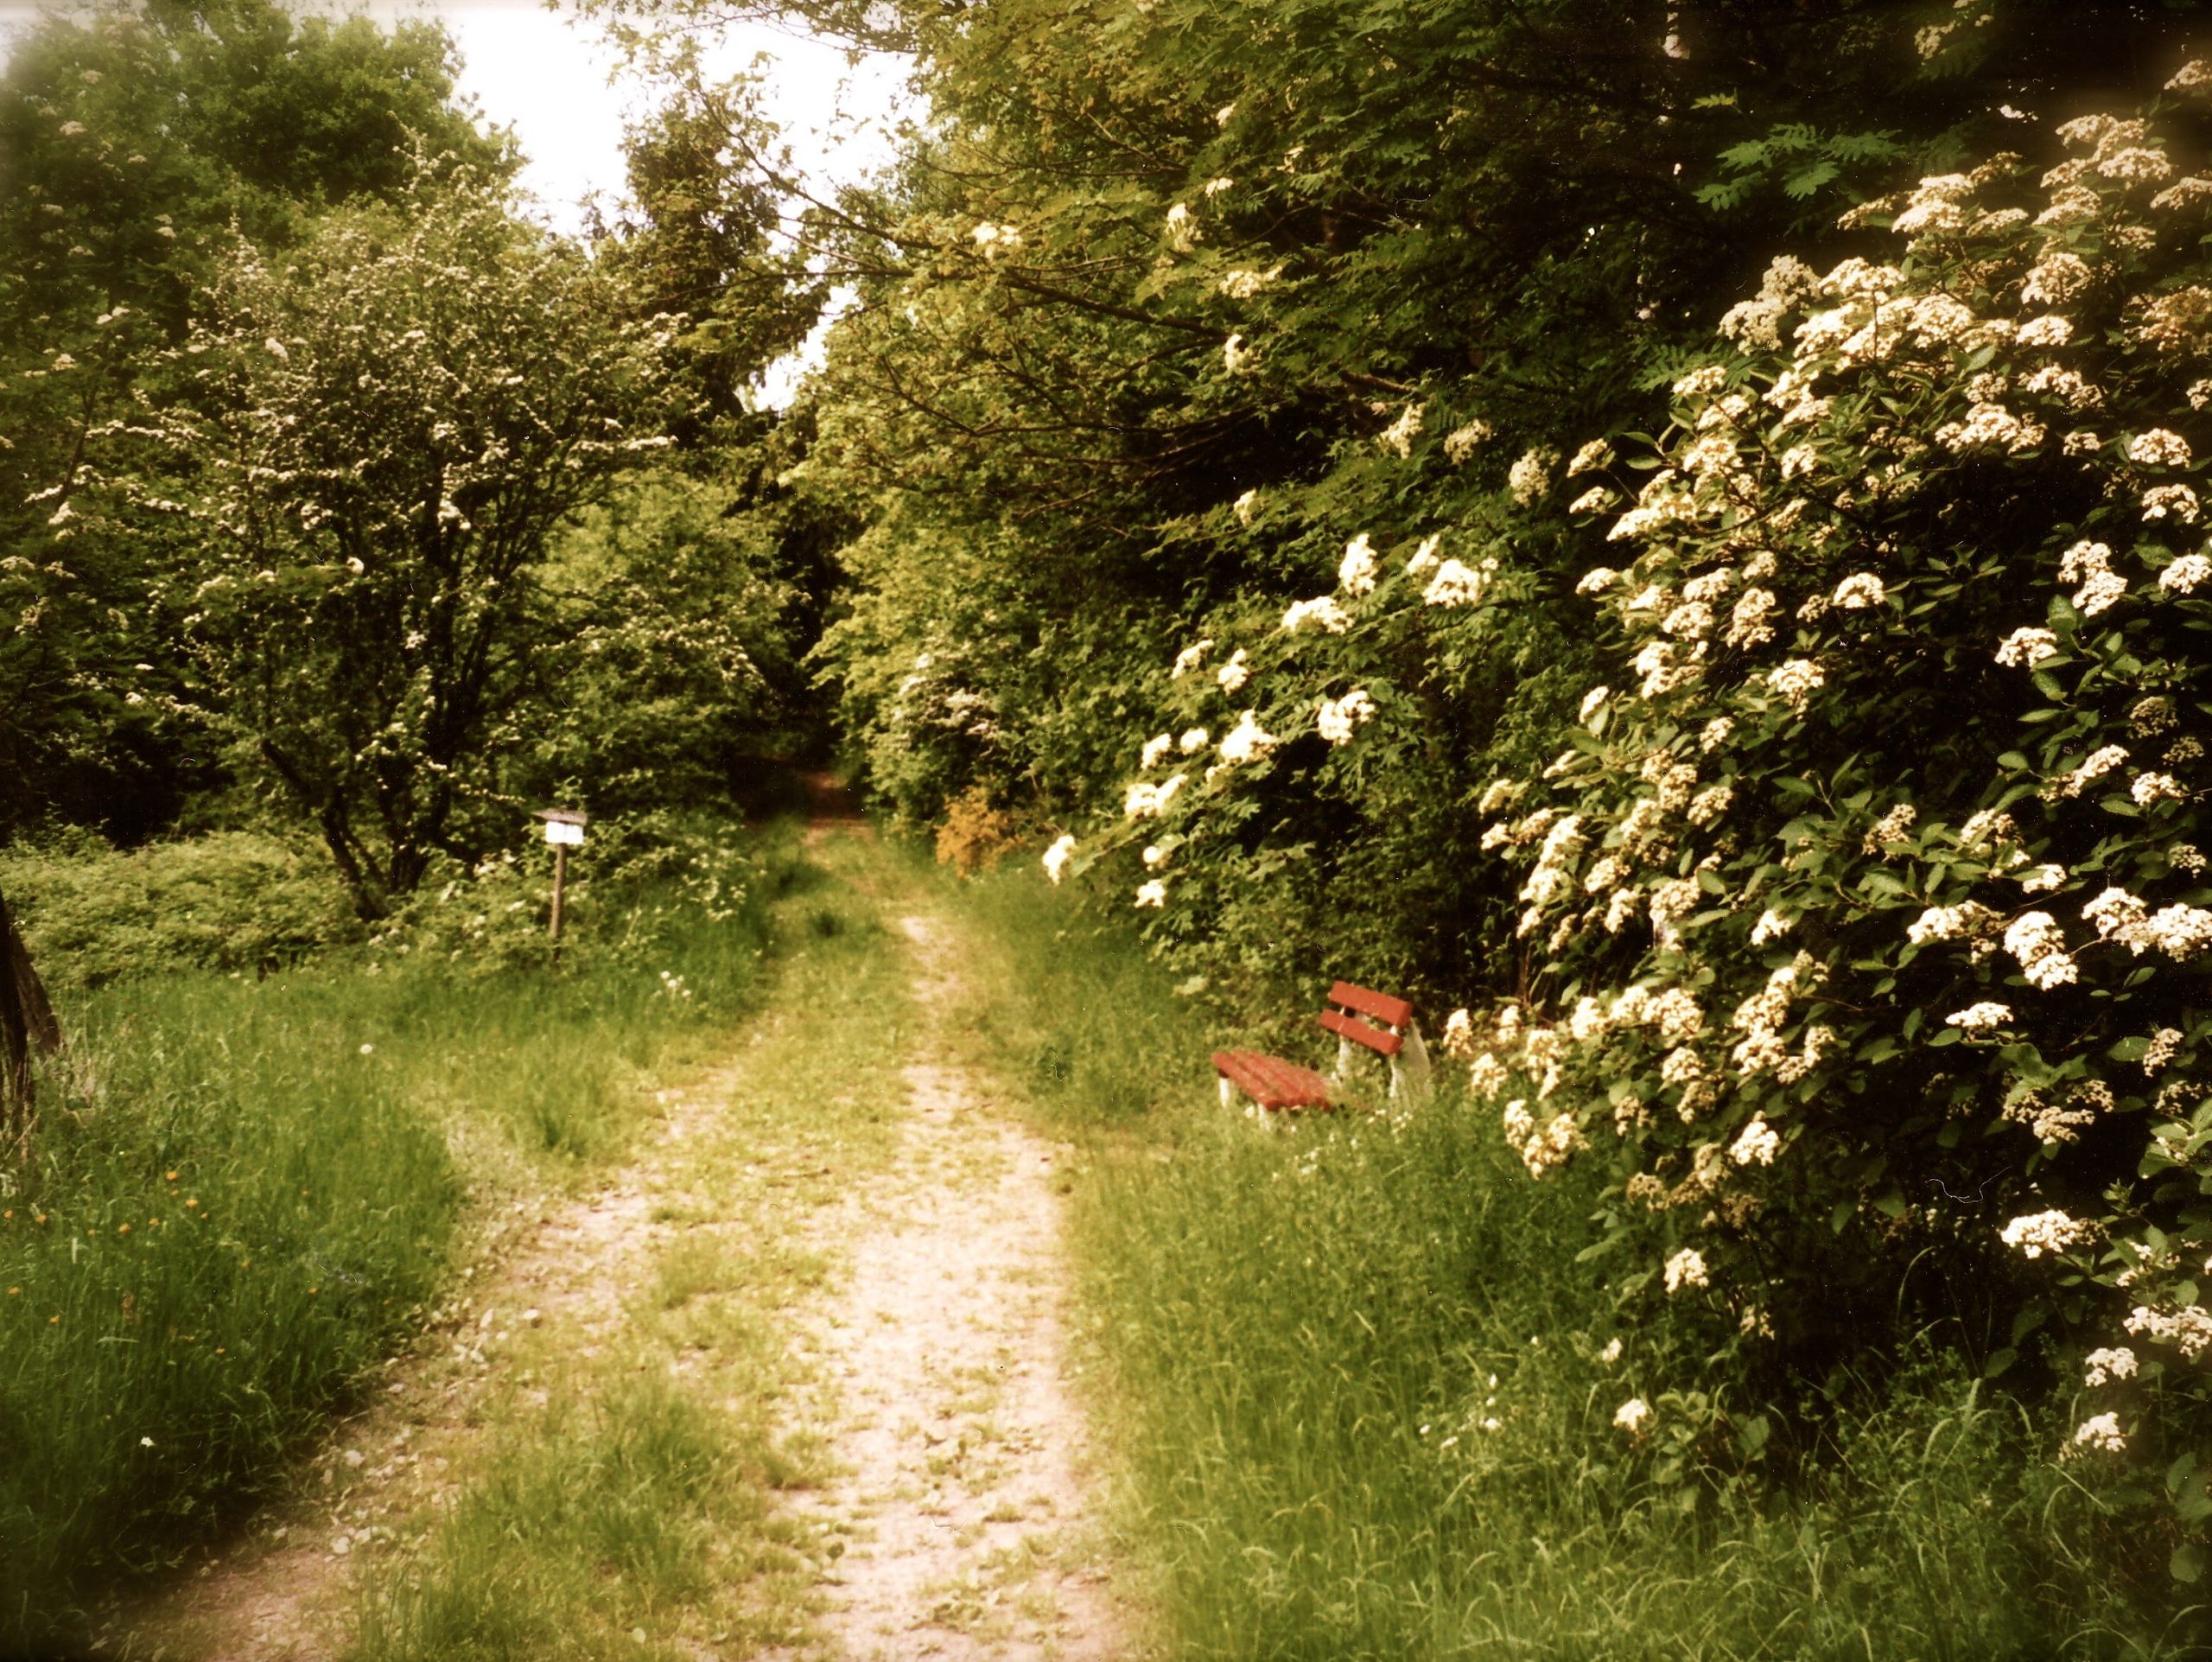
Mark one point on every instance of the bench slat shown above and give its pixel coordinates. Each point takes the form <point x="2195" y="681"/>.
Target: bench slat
<point x="1272" y="1082"/>
<point x="1390" y="1012"/>
<point x="1360" y="1033"/>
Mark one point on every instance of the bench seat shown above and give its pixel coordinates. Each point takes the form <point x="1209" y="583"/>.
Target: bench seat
<point x="1273" y="1083"/>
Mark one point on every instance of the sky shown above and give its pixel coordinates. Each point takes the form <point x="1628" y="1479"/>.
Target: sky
<point x="548" y="77"/>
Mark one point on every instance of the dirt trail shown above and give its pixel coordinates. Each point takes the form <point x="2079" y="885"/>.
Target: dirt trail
<point x="959" y="1527"/>
<point x="965" y="1504"/>
<point x="278" y="1593"/>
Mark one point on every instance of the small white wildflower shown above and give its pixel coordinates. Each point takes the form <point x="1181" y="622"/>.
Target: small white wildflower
<point x="1686" y="1269"/>
<point x="1153" y="893"/>
<point x="2102" y="1434"/>
<point x="1632" y="1415"/>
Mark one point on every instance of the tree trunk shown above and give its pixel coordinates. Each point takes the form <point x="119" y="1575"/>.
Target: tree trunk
<point x="27" y="1023"/>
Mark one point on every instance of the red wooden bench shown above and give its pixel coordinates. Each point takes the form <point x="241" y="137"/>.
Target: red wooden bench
<point x="1362" y="1019"/>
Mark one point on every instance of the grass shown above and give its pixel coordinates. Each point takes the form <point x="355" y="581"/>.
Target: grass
<point x="247" y="1194"/>
<point x="1359" y="1407"/>
<point x="632" y="1513"/>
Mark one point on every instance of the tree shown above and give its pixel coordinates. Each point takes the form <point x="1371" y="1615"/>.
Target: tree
<point x="27" y="1023"/>
<point x="133" y="145"/>
<point x="375" y="438"/>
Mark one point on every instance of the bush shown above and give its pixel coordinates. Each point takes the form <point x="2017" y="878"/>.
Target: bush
<point x="1864" y="920"/>
<point x="234" y="902"/>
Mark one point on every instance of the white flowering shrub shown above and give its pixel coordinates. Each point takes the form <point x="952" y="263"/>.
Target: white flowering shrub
<point x="1863" y="914"/>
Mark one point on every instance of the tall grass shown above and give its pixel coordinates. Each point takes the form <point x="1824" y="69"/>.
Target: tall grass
<point x="246" y="1192"/>
<point x="1360" y="1409"/>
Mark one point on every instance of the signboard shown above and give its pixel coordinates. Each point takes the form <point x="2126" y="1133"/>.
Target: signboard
<point x="564" y="828"/>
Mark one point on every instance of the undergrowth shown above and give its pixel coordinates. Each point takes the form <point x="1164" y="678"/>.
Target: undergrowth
<point x="245" y="1194"/>
<point x="1362" y="1407"/>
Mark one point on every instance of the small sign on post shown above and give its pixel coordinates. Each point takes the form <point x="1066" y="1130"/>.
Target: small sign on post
<point x="564" y="830"/>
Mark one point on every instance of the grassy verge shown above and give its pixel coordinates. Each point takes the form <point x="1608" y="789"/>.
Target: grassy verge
<point x="1362" y="1406"/>
<point x="247" y="1192"/>
<point x="620" y="1501"/>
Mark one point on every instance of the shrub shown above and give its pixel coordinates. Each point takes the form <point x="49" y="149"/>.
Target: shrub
<point x="1863" y="920"/>
<point x="974" y="836"/>
<point x="236" y="901"/>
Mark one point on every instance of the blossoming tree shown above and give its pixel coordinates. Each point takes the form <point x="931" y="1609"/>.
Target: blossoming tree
<point x="377" y="437"/>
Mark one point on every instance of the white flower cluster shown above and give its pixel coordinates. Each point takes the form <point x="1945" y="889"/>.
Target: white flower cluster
<point x="2035" y="939"/>
<point x="1795" y="681"/>
<point x="2090" y="564"/>
<point x="2188" y="1329"/>
<point x="1462" y="442"/>
<point x="1189" y="659"/>
<point x="1355" y="571"/>
<point x="2094" y="766"/>
<point x="1983" y="1017"/>
<point x="1325" y="612"/>
<point x="2033" y="1234"/>
<point x="1968" y="920"/>
<point x="1686" y="1269"/>
<point x="1337" y="719"/>
<point x="2105" y="1366"/>
<point x="1247" y="741"/>
<point x="1056" y="858"/>
<point x="2186" y="575"/>
<point x="1458" y="584"/>
<point x="1757" y="1145"/>
<point x="2179" y="931"/>
<point x="1858" y="591"/>
<point x="1530" y="476"/>
<point x="2100" y="1434"/>
<point x="1398" y="437"/>
<point x="1546" y="1148"/>
<point x="1148" y="801"/>
<point x="1755" y="324"/>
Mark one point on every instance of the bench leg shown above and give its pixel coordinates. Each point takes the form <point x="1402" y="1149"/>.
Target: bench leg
<point x="1410" y="1078"/>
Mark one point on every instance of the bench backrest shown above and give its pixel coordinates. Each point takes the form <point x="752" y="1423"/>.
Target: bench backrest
<point x="1366" y="1017"/>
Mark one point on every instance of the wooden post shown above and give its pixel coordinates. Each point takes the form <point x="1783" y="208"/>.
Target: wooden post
<point x="564" y="830"/>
